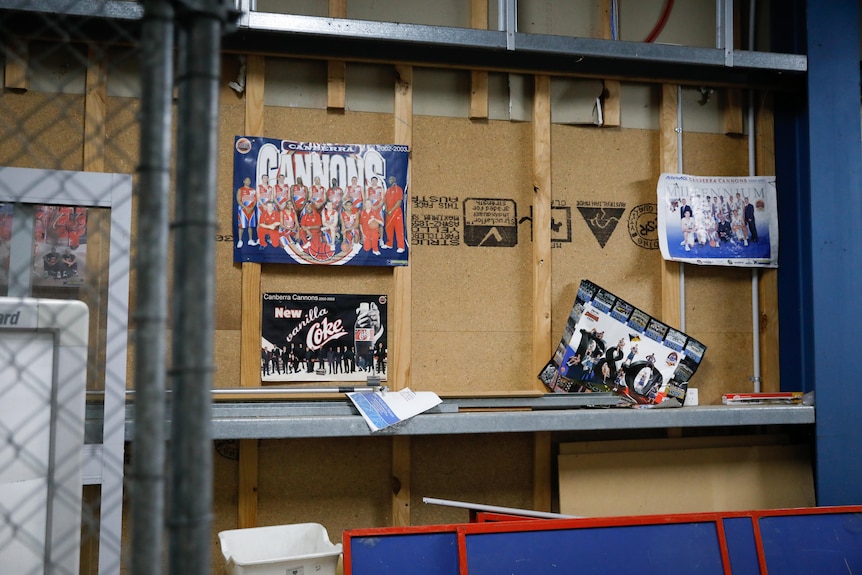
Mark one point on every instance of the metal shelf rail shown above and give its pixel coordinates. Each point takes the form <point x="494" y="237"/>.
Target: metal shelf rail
<point x="338" y="418"/>
<point x="392" y="42"/>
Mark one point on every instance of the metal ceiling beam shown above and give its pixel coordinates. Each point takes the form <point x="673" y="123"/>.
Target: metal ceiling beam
<point x="364" y="40"/>
<point x="292" y="35"/>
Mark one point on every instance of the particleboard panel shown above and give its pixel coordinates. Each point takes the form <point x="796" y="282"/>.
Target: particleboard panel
<point x="686" y="480"/>
<point x="718" y="299"/>
<point x="122" y="136"/>
<point x="95" y="102"/>
<point x="714" y="154"/>
<point x="225" y="487"/>
<point x="619" y="173"/>
<point x="466" y="297"/>
<point x="316" y="125"/>
<point x="324" y="279"/>
<point x="228" y="276"/>
<point x="727" y="365"/>
<point x="342" y="483"/>
<point x="769" y="340"/>
<point x="226" y="374"/>
<point x="492" y="469"/>
<point x="42" y="130"/>
<point x="604" y="193"/>
<point x="465" y="361"/>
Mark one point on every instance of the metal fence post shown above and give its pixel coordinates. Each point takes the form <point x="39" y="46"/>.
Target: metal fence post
<point x="201" y="25"/>
<point x="148" y="465"/>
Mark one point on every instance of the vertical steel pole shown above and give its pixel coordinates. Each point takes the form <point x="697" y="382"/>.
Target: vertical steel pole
<point x="190" y="521"/>
<point x="148" y="477"/>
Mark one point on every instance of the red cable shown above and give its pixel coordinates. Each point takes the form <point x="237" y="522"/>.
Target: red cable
<point x="668" y="6"/>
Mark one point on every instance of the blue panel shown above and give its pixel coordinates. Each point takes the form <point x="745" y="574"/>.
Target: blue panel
<point x="835" y="155"/>
<point x="815" y="544"/>
<point x="690" y="548"/>
<point x="739" y="535"/>
<point x="794" y="197"/>
<point x="415" y="554"/>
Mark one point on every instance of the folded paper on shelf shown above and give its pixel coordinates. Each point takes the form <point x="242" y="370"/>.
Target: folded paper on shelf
<point x="382" y="409"/>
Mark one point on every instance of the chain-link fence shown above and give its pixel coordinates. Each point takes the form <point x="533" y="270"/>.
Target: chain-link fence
<point x="91" y="106"/>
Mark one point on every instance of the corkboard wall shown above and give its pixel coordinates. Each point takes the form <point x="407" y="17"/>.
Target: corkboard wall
<point x="599" y="178"/>
<point x="345" y="483"/>
<point x="718" y="299"/>
<point x="43" y="130"/>
<point x="602" y="180"/>
<point x="471" y="303"/>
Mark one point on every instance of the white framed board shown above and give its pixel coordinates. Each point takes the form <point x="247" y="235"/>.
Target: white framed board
<point x="43" y="379"/>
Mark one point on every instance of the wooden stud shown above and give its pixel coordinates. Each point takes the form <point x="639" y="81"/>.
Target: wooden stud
<point x="93" y="160"/>
<point x="96" y="293"/>
<point x="611" y="92"/>
<point x="402" y="320"/>
<point x="336" y="84"/>
<point x="768" y="292"/>
<point x="401" y="481"/>
<point x="248" y="482"/>
<point x="730" y="99"/>
<point x="402" y="298"/>
<point x="479" y="78"/>
<point x="250" y="326"/>
<point x="17" y="64"/>
<point x="542" y="347"/>
<point x="95" y="101"/>
<point x="336" y="77"/>
<point x="669" y="162"/>
<point x="251" y="313"/>
<point x="254" y="86"/>
<point x="478" y="95"/>
<point x="542" y="454"/>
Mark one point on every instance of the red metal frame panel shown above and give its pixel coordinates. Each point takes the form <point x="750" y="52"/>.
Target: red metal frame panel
<point x="488" y="522"/>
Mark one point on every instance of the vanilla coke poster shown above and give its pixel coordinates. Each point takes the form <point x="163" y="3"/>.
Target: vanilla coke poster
<point x="323" y="337"/>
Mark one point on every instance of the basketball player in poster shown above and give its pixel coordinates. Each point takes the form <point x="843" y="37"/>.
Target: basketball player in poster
<point x="265" y="192"/>
<point x="369" y="225"/>
<point x="289" y="226"/>
<point x="299" y="193"/>
<point x="335" y="194"/>
<point x="330" y="222"/>
<point x="269" y="226"/>
<point x="374" y="198"/>
<point x="310" y="223"/>
<point x="354" y="192"/>
<point x="393" y="200"/>
<point x="69" y="226"/>
<point x="317" y="194"/>
<point x="281" y="193"/>
<point x="350" y="226"/>
<point x="246" y="213"/>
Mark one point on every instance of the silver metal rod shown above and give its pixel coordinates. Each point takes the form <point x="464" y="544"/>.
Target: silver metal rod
<point x="752" y="170"/>
<point x="496" y="509"/>
<point x="293" y="390"/>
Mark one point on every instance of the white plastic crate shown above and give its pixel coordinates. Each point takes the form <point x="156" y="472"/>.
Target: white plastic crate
<point x="300" y="549"/>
